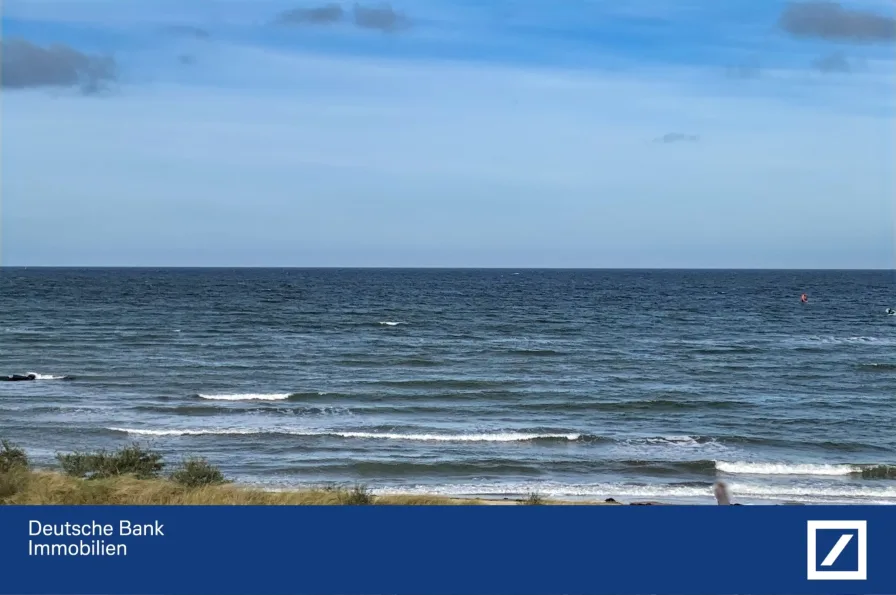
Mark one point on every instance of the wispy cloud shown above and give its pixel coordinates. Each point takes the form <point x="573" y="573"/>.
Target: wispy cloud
<point x="748" y="70"/>
<point x="320" y="15"/>
<point x="836" y="62"/>
<point x="26" y="65"/>
<point x="677" y="137"/>
<point x="186" y="31"/>
<point x="383" y="18"/>
<point x="830" y="20"/>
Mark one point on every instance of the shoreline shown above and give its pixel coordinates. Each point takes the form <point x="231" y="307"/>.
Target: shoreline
<point x="52" y="487"/>
<point x="136" y="475"/>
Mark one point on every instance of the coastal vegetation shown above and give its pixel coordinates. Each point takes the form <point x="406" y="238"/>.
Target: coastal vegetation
<point x="136" y="475"/>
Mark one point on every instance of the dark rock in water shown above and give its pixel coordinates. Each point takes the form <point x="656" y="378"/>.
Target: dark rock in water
<point x="19" y="377"/>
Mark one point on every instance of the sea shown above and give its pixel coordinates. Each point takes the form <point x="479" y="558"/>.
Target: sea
<point x="571" y="384"/>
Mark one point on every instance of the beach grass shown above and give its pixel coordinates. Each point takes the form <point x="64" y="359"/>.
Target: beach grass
<point x="49" y="487"/>
<point x="135" y="475"/>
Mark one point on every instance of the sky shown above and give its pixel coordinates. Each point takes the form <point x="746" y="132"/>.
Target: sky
<point x="437" y="133"/>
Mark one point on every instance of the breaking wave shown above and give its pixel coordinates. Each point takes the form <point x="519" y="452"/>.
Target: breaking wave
<point x="484" y="437"/>
<point x="866" y="471"/>
<point x="247" y="397"/>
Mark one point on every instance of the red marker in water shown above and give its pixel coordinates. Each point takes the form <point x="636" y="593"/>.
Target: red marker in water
<point x="804" y="298"/>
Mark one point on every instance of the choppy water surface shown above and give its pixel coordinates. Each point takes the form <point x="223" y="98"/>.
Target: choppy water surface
<point x="635" y="385"/>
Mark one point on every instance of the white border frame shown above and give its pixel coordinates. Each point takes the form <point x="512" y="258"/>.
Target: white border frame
<point x="814" y="574"/>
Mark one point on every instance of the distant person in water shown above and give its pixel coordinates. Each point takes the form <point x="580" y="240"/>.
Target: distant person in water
<point x="19" y="377"/>
<point x="891" y="311"/>
<point x="804" y="298"/>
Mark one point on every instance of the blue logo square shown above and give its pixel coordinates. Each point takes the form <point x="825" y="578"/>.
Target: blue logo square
<point x="837" y="550"/>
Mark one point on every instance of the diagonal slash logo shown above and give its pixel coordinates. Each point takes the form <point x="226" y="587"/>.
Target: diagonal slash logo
<point x="842" y="547"/>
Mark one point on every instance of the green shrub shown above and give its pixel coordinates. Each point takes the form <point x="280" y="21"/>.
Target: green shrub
<point x="356" y="496"/>
<point x="12" y="482"/>
<point x="879" y="472"/>
<point x="130" y="460"/>
<point x="534" y="499"/>
<point x="196" y="472"/>
<point x="11" y="457"/>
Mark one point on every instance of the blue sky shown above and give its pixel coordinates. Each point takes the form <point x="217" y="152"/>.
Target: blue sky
<point x="571" y="133"/>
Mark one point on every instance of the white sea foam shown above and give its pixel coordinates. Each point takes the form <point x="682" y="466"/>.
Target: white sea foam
<point x="785" y="469"/>
<point x="809" y="494"/>
<point x="672" y="442"/>
<point x="496" y="437"/>
<point x="46" y="376"/>
<point x="816" y="340"/>
<point x="146" y="432"/>
<point x="247" y="397"/>
<point x="390" y="323"/>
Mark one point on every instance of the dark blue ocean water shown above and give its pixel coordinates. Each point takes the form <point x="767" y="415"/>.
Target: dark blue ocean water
<point x="593" y="384"/>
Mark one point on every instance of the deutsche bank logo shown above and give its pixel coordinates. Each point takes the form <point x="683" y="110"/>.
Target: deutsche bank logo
<point x="837" y="550"/>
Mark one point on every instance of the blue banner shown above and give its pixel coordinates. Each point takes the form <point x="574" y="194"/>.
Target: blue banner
<point x="452" y="550"/>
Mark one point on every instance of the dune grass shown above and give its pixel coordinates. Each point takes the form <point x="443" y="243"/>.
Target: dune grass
<point x="134" y="476"/>
<point x="48" y="487"/>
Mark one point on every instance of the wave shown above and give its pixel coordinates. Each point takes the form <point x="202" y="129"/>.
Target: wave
<point x="247" y="397"/>
<point x="49" y="376"/>
<point x="487" y="437"/>
<point x="484" y="437"/>
<point x="449" y="383"/>
<point x="865" y="471"/>
<point x="411" y="362"/>
<point x="819" y="341"/>
<point x="390" y="323"/>
<point x="635" y="405"/>
<point x="877" y="367"/>
<point x="534" y="352"/>
<point x="209" y="432"/>
<point x="673" y="440"/>
<point x="213" y="410"/>
<point x="784" y="469"/>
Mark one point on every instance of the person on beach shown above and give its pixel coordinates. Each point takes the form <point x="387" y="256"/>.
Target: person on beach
<point x="720" y="490"/>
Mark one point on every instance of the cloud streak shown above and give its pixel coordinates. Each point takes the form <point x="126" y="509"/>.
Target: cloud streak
<point x="677" y="137"/>
<point x="26" y="65"/>
<point x="320" y="15"/>
<point x="830" y="20"/>
<point x="832" y="63"/>
<point x="380" y="18"/>
<point x="744" y="71"/>
<point x="186" y="31"/>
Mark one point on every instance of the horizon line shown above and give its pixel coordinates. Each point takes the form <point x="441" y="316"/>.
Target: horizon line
<point x="445" y="268"/>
